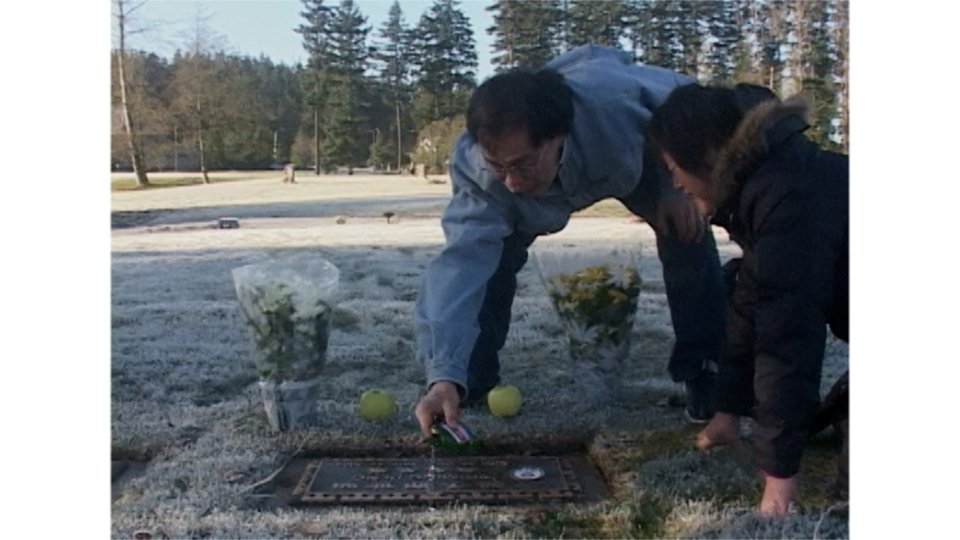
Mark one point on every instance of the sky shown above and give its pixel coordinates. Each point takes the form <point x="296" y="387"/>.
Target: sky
<point x="252" y="27"/>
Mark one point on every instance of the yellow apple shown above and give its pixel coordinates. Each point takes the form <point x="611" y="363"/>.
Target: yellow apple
<point x="504" y="401"/>
<point x="377" y="404"/>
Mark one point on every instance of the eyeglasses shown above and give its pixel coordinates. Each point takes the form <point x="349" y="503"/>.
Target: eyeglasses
<point x="524" y="169"/>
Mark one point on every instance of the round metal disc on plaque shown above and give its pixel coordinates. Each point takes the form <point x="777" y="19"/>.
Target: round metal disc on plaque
<point x="527" y="473"/>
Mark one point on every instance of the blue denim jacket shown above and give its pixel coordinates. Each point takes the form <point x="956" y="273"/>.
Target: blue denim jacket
<point x="613" y="100"/>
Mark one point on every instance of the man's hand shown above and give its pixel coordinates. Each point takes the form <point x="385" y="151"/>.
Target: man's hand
<point x="683" y="214"/>
<point x="442" y="398"/>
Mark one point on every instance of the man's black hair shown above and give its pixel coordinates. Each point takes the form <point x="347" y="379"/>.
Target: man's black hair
<point x="539" y="101"/>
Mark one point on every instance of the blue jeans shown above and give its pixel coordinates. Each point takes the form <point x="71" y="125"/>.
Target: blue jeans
<point x="691" y="272"/>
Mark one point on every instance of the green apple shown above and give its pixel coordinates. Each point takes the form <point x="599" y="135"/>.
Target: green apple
<point x="377" y="404"/>
<point x="504" y="401"/>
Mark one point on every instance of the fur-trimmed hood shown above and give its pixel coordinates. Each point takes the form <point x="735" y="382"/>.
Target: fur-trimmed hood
<point x="751" y="142"/>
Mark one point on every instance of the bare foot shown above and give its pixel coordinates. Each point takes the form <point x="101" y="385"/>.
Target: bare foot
<point x="724" y="428"/>
<point x="779" y="494"/>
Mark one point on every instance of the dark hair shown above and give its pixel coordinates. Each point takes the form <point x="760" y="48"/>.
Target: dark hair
<point x="750" y="95"/>
<point x="539" y="101"/>
<point x="696" y="121"/>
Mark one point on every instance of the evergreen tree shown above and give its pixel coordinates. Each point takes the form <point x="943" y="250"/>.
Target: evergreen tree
<point x="600" y="22"/>
<point x="772" y="38"/>
<point x="395" y="57"/>
<point x="722" y="20"/>
<point x="446" y="62"/>
<point x="840" y="26"/>
<point x="344" y="121"/>
<point x="315" y="32"/>
<point x="526" y="32"/>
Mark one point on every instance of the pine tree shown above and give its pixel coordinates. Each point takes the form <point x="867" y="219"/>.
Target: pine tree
<point x="395" y="57"/>
<point x="600" y="22"/>
<point x="344" y="121"/>
<point x="773" y="36"/>
<point x="314" y="78"/>
<point x="722" y="18"/>
<point x="526" y="32"/>
<point x="446" y="62"/>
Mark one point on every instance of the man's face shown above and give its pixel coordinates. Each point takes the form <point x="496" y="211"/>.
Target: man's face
<point x="522" y="167"/>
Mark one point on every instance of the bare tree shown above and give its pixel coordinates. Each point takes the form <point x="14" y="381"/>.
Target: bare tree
<point x="199" y="91"/>
<point x="124" y="10"/>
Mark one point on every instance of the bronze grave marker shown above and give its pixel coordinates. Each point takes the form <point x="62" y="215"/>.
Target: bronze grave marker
<point x="464" y="478"/>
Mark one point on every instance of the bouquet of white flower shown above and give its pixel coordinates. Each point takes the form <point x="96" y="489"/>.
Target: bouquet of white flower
<point x="288" y="306"/>
<point x="595" y="292"/>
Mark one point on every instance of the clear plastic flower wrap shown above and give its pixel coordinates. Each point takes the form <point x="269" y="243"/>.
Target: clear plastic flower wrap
<point x="288" y="305"/>
<point x="594" y="290"/>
